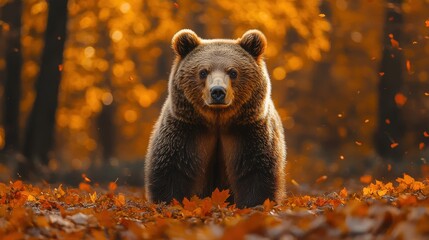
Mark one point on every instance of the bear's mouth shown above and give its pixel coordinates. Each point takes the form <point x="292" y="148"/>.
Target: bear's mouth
<point x="218" y="105"/>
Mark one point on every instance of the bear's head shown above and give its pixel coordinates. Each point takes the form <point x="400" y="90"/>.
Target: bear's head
<point x="219" y="78"/>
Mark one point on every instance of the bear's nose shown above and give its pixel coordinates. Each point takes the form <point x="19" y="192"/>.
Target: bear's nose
<point x="218" y="94"/>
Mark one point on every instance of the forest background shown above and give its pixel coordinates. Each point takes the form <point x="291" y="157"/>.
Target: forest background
<point x="82" y="82"/>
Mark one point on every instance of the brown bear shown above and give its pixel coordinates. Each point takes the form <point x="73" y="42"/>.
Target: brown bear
<point x="218" y="127"/>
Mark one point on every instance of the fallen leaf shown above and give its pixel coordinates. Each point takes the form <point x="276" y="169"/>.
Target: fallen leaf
<point x="31" y="198"/>
<point x="93" y="197"/>
<point x="366" y="179"/>
<point x="112" y="186"/>
<point x="18" y="185"/>
<point x="189" y="205"/>
<point x="400" y="99"/>
<point x="407" y="179"/>
<point x="85" y="178"/>
<point x="85" y="187"/>
<point x="343" y="193"/>
<point x="406" y="200"/>
<point x="321" y="179"/>
<point x="408" y="66"/>
<point x="294" y="182"/>
<point x="381" y="192"/>
<point x="120" y="200"/>
<point x="219" y="197"/>
<point x="268" y="205"/>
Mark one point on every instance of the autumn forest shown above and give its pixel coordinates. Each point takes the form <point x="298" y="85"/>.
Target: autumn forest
<point x="82" y="83"/>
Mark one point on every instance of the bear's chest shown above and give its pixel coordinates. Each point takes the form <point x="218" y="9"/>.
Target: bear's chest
<point x="212" y="146"/>
<point x="216" y="151"/>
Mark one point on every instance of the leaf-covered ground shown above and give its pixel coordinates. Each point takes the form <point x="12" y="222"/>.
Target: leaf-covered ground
<point x="398" y="209"/>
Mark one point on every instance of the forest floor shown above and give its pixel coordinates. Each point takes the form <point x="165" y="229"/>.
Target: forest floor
<point x="398" y="209"/>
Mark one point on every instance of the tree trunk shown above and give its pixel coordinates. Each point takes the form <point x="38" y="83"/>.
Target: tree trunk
<point x="40" y="127"/>
<point x="390" y="123"/>
<point x="12" y="15"/>
<point x="105" y="124"/>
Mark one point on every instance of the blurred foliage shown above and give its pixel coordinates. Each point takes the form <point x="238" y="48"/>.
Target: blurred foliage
<point x="379" y="210"/>
<point x="323" y="62"/>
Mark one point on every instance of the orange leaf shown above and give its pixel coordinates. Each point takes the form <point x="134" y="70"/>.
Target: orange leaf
<point x="321" y="179"/>
<point x="427" y="23"/>
<point x="120" y="200"/>
<point x="366" y="179"/>
<point x="366" y="191"/>
<point x="31" y="198"/>
<point x="407" y="179"/>
<point x="320" y="202"/>
<point x="189" y="205"/>
<point x="294" y="182"/>
<point x="206" y="206"/>
<point x="112" y="186"/>
<point x="219" y="197"/>
<point x="59" y="192"/>
<point x="106" y="218"/>
<point x="174" y="202"/>
<point x="85" y="178"/>
<point x="389" y="186"/>
<point x="41" y="221"/>
<point x="417" y="185"/>
<point x="400" y="99"/>
<point x="85" y="187"/>
<point x="394" y="43"/>
<point x="425" y="190"/>
<point x="387" y="121"/>
<point x="407" y="200"/>
<point x="426" y="134"/>
<point x="93" y="197"/>
<point x="421" y="146"/>
<point x="358" y="143"/>
<point x="18" y="185"/>
<point x="381" y="193"/>
<point x="393" y="145"/>
<point x="408" y="65"/>
<point x="389" y="167"/>
<point x="343" y="193"/>
<point x="268" y="204"/>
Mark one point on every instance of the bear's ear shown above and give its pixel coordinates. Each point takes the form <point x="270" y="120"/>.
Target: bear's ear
<point x="254" y="42"/>
<point x="184" y="41"/>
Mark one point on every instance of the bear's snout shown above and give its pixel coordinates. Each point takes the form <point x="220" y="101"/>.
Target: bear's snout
<point x="218" y="94"/>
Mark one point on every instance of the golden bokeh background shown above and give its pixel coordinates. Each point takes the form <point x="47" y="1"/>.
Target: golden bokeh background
<point x="323" y="58"/>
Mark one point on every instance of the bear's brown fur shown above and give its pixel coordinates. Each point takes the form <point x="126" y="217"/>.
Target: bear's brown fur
<point x="218" y="127"/>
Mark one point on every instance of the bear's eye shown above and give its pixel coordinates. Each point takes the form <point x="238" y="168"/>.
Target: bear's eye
<point x="232" y="73"/>
<point x="204" y="73"/>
